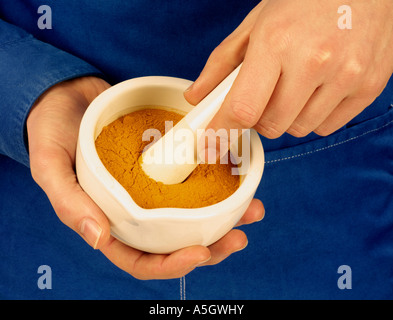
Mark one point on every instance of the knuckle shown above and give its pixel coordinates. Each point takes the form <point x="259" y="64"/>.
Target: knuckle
<point x="274" y="34"/>
<point x="323" y="131"/>
<point x="320" y="58"/>
<point x="62" y="208"/>
<point x="353" y="68"/>
<point x="34" y="170"/>
<point x="244" y="113"/>
<point x="222" y="54"/>
<point x="350" y="75"/>
<point x="372" y="87"/>
<point x="228" y="53"/>
<point x="38" y="166"/>
<point x="221" y="48"/>
<point x="217" y="54"/>
<point x="269" y="129"/>
<point x="297" y="130"/>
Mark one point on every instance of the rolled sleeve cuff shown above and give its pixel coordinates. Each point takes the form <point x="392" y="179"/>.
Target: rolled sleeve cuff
<point x="29" y="67"/>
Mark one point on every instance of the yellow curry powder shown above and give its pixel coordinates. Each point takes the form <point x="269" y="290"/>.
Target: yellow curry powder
<point x="120" y="145"/>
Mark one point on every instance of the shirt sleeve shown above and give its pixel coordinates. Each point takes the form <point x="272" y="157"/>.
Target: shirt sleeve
<point x="28" y="67"/>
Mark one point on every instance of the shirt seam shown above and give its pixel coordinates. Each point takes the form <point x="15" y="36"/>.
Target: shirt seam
<point x="329" y="146"/>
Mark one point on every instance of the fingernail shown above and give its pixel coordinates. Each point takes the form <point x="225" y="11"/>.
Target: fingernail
<point x="91" y="231"/>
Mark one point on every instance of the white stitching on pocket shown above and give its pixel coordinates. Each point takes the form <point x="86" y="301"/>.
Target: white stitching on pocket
<point x="328" y="147"/>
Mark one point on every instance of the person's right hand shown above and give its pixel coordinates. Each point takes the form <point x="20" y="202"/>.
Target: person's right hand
<point x="301" y="72"/>
<point x="52" y="127"/>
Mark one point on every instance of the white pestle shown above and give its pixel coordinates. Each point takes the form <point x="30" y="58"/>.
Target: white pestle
<point x="172" y="158"/>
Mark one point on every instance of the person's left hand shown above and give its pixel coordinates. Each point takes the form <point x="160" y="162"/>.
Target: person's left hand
<point x="53" y="126"/>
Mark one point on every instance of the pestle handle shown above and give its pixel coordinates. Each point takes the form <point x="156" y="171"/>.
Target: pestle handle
<point x="164" y="160"/>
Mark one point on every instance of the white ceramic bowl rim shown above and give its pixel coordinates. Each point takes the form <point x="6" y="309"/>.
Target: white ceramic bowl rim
<point x="89" y="153"/>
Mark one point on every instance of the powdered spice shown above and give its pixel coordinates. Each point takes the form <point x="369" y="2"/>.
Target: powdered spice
<point x="120" y="145"/>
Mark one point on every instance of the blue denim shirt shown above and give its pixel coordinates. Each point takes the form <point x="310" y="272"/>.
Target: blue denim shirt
<point x="28" y="68"/>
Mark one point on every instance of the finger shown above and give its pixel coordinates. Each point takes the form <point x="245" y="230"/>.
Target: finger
<point x="246" y="100"/>
<point x="250" y="92"/>
<point x="290" y="95"/>
<point x="254" y="213"/>
<point x="324" y="100"/>
<point x="224" y="59"/>
<point x="145" y="266"/>
<point x="353" y="104"/>
<point x="349" y="108"/>
<point x="235" y="240"/>
<point x="213" y="73"/>
<point x="53" y="171"/>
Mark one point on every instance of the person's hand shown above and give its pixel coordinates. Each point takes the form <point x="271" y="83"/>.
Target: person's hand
<point x="301" y="72"/>
<point x="52" y="127"/>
